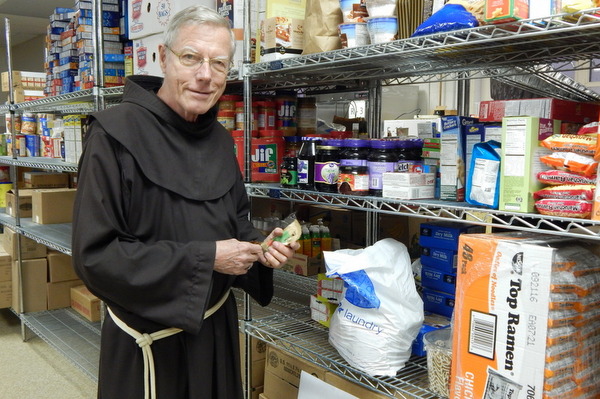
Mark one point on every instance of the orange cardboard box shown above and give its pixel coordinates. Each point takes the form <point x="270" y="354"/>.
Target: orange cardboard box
<point x="501" y="314"/>
<point x="500" y="11"/>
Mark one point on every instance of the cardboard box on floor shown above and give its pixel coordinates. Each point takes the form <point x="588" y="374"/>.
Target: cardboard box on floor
<point x="34" y="275"/>
<point x="258" y="353"/>
<point x="53" y="205"/>
<point x="30" y="249"/>
<point x="5" y="294"/>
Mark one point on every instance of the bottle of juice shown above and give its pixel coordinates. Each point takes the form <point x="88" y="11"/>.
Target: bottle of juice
<point x="306" y="241"/>
<point x="325" y="238"/>
<point x="315" y="239"/>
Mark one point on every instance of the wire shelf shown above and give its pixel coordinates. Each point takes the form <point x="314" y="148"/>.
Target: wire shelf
<point x="437" y="209"/>
<point x="70" y="334"/>
<point x="40" y="163"/>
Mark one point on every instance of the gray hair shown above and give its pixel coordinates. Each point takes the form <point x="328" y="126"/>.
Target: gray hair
<point x="196" y="15"/>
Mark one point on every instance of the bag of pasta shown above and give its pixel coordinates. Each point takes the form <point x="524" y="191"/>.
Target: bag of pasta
<point x="380" y="313"/>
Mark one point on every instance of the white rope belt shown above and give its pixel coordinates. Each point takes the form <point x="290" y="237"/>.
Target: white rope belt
<point x="145" y="340"/>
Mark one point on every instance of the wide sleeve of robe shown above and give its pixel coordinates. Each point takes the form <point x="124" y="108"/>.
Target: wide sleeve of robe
<point x="152" y="280"/>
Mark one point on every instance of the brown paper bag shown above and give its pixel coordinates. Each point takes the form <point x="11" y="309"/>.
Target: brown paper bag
<point x="321" y="26"/>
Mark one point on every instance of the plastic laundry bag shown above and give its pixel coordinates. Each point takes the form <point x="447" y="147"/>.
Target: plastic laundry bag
<point x="381" y="312"/>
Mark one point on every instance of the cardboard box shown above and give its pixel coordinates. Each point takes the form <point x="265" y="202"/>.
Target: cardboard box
<point x="353" y="388"/>
<point x="411" y="179"/>
<point x="438" y="280"/>
<point x="59" y="294"/>
<point x="277" y="388"/>
<point x="422" y="128"/>
<point x="149" y="17"/>
<point x="146" y="60"/>
<point x="548" y="108"/>
<point x="438" y="302"/>
<point x="283" y="38"/>
<point x="25" y="205"/>
<point x="442" y="234"/>
<point x="520" y="160"/>
<point x="501" y="11"/>
<point x="501" y="314"/>
<point x="34" y="274"/>
<point x="304" y="265"/>
<point x="45" y="180"/>
<point x="24" y="80"/>
<point x="431" y="322"/>
<point x="5" y="266"/>
<point x="321" y="309"/>
<point x="259" y="347"/>
<point x="439" y="259"/>
<point x="409" y="193"/>
<point x="85" y="303"/>
<point x="452" y="157"/>
<point x="53" y="205"/>
<point x="29" y="248"/>
<point x="60" y="267"/>
<point x="287" y="366"/>
<point x="330" y="288"/>
<point x="5" y="294"/>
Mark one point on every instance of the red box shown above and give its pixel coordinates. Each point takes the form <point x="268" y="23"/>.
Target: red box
<point x="549" y="108"/>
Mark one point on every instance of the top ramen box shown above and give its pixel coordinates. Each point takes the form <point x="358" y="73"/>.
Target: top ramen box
<point x="500" y="315"/>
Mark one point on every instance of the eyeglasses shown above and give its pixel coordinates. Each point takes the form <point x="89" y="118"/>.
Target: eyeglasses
<point x="190" y="59"/>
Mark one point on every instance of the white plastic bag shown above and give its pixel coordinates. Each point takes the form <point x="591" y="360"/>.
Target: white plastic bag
<point x="381" y="312"/>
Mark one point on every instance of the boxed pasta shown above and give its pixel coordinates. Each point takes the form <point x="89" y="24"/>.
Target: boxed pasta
<point x="521" y="155"/>
<point x="506" y="324"/>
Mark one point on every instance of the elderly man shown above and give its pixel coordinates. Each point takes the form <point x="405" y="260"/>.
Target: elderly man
<point x="161" y="230"/>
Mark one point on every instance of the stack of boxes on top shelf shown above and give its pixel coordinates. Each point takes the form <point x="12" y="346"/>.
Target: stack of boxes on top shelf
<point x="70" y="48"/>
<point x="26" y="85"/>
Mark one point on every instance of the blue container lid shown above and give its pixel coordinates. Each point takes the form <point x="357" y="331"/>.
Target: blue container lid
<point x="311" y="138"/>
<point x="359" y="143"/>
<point x="334" y="142"/>
<point x="383" y="144"/>
<point x="292" y="139"/>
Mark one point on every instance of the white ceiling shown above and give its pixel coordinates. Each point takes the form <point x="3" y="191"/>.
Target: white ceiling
<point x="27" y="18"/>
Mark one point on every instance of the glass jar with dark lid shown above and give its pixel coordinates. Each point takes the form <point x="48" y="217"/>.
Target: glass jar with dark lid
<point x="354" y="152"/>
<point x="382" y="158"/>
<point x="327" y="166"/>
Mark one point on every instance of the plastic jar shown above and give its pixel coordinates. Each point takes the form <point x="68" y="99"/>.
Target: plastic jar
<point x="382" y="158"/>
<point x="227" y="119"/>
<point x="327" y="166"/>
<point x="292" y="146"/>
<point x="286" y="115"/>
<point x="409" y="155"/>
<point x="289" y="172"/>
<point x="307" y="115"/>
<point x="227" y="101"/>
<point x="354" y="152"/>
<point x="240" y="116"/>
<point x="266" y="156"/>
<point x="353" y="180"/>
<point x="306" y="162"/>
<point x="238" y="148"/>
<point x="266" y="115"/>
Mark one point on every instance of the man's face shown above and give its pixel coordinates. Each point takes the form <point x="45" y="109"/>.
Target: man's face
<point x="192" y="91"/>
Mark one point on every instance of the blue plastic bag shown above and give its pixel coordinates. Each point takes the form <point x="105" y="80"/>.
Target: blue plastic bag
<point x="483" y="181"/>
<point x="449" y="18"/>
